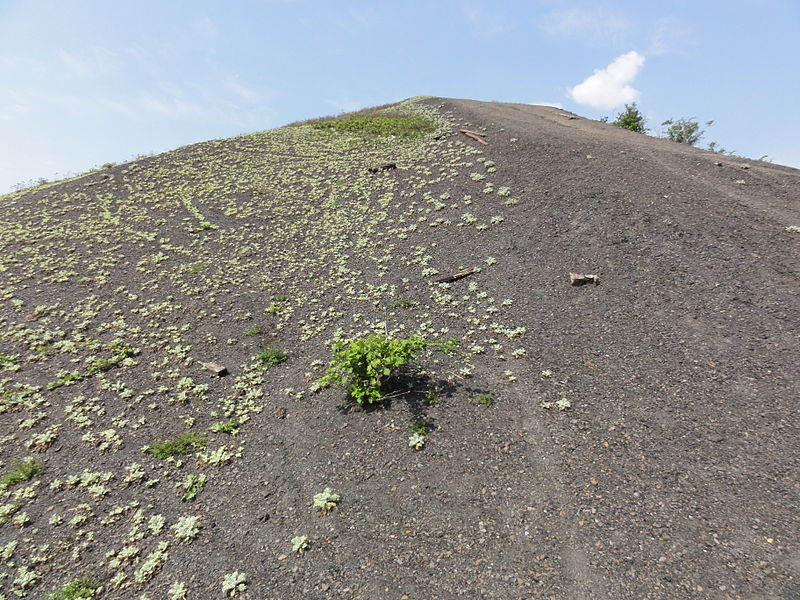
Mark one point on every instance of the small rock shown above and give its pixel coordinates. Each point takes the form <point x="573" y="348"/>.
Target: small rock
<point x="280" y="413"/>
<point x="383" y="167"/>
<point x="215" y="368"/>
<point x="577" y="279"/>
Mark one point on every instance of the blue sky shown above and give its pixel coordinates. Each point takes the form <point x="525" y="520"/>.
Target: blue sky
<point x="87" y="82"/>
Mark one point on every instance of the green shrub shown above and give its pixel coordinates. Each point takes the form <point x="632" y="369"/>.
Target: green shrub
<point x="186" y="443"/>
<point x="631" y="119"/>
<point x="363" y="366"/>
<point x="23" y="471"/>
<point x="80" y="589"/>
<point x="685" y="130"/>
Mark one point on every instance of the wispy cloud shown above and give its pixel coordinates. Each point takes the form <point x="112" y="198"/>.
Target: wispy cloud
<point x="89" y="62"/>
<point x="553" y="104"/>
<point x="205" y="28"/>
<point x="670" y="37"/>
<point x="486" y="19"/>
<point x="609" y="87"/>
<point x="345" y="105"/>
<point x="242" y="90"/>
<point x="595" y="26"/>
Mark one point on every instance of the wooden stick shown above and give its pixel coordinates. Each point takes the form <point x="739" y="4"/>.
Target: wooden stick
<point x="475" y="137"/>
<point x="455" y="276"/>
<point x="480" y="133"/>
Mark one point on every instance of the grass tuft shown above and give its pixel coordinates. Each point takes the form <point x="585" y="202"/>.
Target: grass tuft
<point x="186" y="443"/>
<point x="23" y="471"/>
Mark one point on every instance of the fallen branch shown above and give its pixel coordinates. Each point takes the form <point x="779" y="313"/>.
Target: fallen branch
<point x="475" y="136"/>
<point x="455" y="276"/>
<point x="383" y="167"/>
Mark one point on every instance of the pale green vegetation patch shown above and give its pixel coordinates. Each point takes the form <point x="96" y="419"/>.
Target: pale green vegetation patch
<point x="403" y="127"/>
<point x="118" y="290"/>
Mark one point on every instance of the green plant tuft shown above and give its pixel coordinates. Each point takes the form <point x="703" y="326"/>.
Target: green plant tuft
<point x="80" y="589"/>
<point x="271" y="356"/>
<point x="484" y="399"/>
<point x="185" y="443"/>
<point x="421" y="427"/>
<point x="23" y="471"/>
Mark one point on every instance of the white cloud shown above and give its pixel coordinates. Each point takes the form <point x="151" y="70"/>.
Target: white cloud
<point x="609" y="87"/>
<point x="595" y="26"/>
<point x="553" y="104"/>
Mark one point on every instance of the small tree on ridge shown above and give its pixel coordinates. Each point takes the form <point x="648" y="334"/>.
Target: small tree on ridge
<point x="631" y="119"/>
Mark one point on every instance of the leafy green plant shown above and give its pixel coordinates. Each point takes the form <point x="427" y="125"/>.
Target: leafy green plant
<point x="23" y="471"/>
<point x="271" y="356"/>
<point x="433" y="396"/>
<point x="300" y="544"/>
<point x="255" y="330"/>
<point x="192" y="485"/>
<point x="187" y="527"/>
<point x="363" y="366"/>
<point x="416" y="441"/>
<point x="631" y="119"/>
<point x="230" y="426"/>
<point x="420" y="426"/>
<point x="326" y="500"/>
<point x="79" y="589"/>
<point x="233" y="583"/>
<point x="484" y="399"/>
<point x="185" y="443"/>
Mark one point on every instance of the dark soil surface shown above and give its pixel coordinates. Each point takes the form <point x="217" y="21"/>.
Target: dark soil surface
<point x="671" y="472"/>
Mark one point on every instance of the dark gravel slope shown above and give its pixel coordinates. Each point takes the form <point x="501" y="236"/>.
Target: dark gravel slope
<point x="678" y="472"/>
<point x="671" y="472"/>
